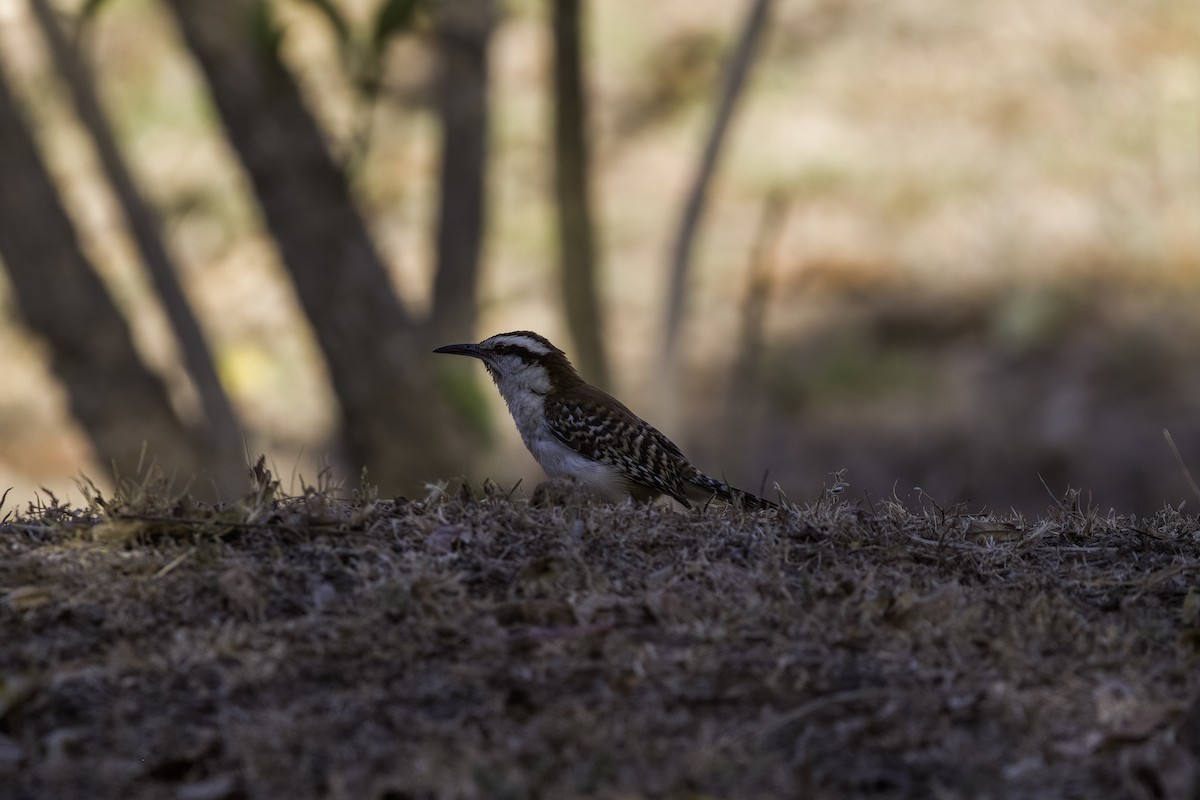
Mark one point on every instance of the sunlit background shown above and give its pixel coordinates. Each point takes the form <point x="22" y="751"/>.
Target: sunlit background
<point x="961" y="241"/>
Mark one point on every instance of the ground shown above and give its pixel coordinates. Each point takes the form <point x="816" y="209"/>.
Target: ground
<point x="480" y="644"/>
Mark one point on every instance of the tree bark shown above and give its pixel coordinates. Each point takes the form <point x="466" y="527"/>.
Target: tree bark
<point x="577" y="241"/>
<point x="737" y="67"/>
<point x="223" y="437"/>
<point x="463" y="32"/>
<point x="123" y="407"/>
<point x="393" y="422"/>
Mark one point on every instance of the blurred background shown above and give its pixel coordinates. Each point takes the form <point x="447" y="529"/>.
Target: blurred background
<point x="934" y="244"/>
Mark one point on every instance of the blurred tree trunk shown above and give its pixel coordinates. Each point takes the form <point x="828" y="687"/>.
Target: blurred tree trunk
<point x="743" y="398"/>
<point x="463" y="30"/>
<point x="393" y="421"/>
<point x="223" y="437"/>
<point x="737" y="67"/>
<point x="575" y="233"/>
<point x="121" y="405"/>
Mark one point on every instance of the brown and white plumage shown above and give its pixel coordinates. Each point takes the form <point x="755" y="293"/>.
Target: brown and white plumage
<point x="573" y="428"/>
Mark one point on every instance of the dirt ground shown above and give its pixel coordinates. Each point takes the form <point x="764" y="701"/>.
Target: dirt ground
<point x="475" y="644"/>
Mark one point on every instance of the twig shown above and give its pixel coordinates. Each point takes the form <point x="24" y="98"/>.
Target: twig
<point x="175" y="562"/>
<point x="1057" y="501"/>
<point x="820" y="704"/>
<point x="221" y="523"/>
<point x="737" y="67"/>
<point x="1187" y="474"/>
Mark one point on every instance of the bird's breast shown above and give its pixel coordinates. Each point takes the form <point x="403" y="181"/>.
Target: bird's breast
<point x="555" y="458"/>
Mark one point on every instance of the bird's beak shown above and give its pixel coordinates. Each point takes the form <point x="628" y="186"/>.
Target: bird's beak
<point x="472" y="350"/>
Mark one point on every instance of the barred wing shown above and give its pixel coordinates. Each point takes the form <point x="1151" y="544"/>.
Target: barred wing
<point x="604" y="430"/>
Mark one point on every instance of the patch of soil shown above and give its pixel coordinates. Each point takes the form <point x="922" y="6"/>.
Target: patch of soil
<point x="491" y="647"/>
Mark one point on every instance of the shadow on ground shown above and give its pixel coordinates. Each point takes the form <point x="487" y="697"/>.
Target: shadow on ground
<point x="1002" y="399"/>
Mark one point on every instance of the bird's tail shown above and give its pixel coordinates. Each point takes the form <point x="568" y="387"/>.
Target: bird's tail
<point x="703" y="488"/>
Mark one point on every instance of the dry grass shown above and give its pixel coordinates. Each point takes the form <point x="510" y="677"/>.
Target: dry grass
<point x="488" y="646"/>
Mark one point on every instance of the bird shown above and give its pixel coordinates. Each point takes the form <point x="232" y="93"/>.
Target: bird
<point x="577" y="430"/>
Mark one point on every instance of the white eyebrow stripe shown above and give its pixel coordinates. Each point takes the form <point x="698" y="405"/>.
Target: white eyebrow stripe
<point x="530" y="344"/>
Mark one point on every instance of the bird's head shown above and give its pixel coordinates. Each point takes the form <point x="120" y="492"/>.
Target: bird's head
<point x="520" y="360"/>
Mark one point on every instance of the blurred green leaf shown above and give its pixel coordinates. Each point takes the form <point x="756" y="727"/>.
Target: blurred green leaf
<point x="395" y="16"/>
<point x="264" y="27"/>
<point x="460" y="388"/>
<point x="89" y="10"/>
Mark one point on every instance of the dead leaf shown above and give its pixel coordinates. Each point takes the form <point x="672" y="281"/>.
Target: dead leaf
<point x="982" y="530"/>
<point x="27" y="598"/>
<point x="446" y="538"/>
